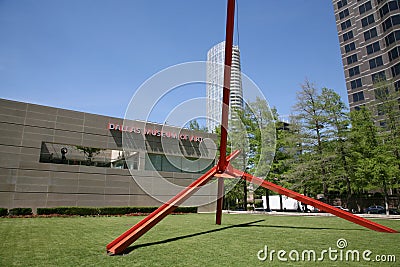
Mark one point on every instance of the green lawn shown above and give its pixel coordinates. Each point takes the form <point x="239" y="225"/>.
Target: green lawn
<point x="188" y="240"/>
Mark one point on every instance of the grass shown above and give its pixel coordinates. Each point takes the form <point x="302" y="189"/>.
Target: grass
<point x="186" y="240"/>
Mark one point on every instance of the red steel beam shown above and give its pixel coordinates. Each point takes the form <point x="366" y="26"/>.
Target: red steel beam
<point x="315" y="203"/>
<point x="230" y="19"/>
<point x="220" y="200"/>
<point x="223" y="163"/>
<point x="118" y="245"/>
<point x="131" y="235"/>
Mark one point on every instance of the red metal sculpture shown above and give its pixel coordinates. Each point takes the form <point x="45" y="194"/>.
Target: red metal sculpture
<point x="224" y="170"/>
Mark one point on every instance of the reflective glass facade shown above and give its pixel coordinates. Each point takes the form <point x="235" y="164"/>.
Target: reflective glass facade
<point x="215" y="81"/>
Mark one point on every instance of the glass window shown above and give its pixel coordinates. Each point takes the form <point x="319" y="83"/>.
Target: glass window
<point x="365" y="7"/>
<point x="341" y="3"/>
<point x="396" y="20"/>
<point x="346" y="24"/>
<point x="370" y="34"/>
<point x="153" y="162"/>
<point x="344" y="13"/>
<point x="367" y="20"/>
<point x="384" y="10"/>
<point x="89" y="156"/>
<point x="354" y="71"/>
<point x="358" y="96"/>
<point x="390" y="22"/>
<point x="355" y="83"/>
<point x="397" y="86"/>
<point x="349" y="47"/>
<point x="393" y="5"/>
<point x="348" y="35"/>
<point x="351" y="59"/>
<point x="391" y="38"/>
<point x="378" y="77"/>
<point x="394" y="53"/>
<point x="375" y="62"/>
<point x="372" y="48"/>
<point x="395" y="70"/>
<point x="387" y="7"/>
<point x="161" y="162"/>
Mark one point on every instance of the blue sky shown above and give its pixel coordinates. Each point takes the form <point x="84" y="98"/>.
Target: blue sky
<point x="91" y="55"/>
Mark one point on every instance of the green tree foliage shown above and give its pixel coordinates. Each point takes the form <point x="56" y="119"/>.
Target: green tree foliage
<point x="195" y="125"/>
<point x="363" y="143"/>
<point x="312" y="117"/>
<point x="89" y="153"/>
<point x="387" y="103"/>
<point x="323" y="149"/>
<point x="251" y="131"/>
<point x="372" y="158"/>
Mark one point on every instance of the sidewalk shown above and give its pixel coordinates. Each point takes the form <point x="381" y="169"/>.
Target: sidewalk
<point x="320" y="214"/>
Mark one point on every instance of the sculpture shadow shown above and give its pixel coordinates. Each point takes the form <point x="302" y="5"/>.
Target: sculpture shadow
<point x="132" y="248"/>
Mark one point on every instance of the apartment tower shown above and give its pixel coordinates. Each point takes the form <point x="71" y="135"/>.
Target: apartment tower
<point x="369" y="36"/>
<point x="215" y="81"/>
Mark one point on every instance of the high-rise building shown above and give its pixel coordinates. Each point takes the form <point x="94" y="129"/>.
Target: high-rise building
<point x="369" y="36"/>
<point x="215" y="82"/>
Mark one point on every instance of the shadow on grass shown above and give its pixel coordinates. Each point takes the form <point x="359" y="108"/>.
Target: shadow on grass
<point x="249" y="224"/>
<point x="130" y="249"/>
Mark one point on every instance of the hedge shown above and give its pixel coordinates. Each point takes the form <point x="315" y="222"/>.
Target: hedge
<point x="87" y="211"/>
<point x="20" y="211"/>
<point x="82" y="211"/>
<point x="3" y="212"/>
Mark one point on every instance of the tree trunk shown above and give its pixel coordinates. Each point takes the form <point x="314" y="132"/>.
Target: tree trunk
<point x="245" y="195"/>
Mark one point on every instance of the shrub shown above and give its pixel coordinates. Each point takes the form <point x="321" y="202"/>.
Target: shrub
<point x="186" y="210"/>
<point x="85" y="211"/>
<point x="125" y="210"/>
<point x="81" y="211"/>
<point x="20" y="211"/>
<point x="3" y="212"/>
<point x="115" y="210"/>
<point x="46" y="211"/>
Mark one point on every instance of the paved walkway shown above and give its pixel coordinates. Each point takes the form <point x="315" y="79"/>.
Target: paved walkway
<point x="278" y="213"/>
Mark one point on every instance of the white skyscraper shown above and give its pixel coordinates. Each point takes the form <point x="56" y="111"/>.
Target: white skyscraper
<point x="215" y="82"/>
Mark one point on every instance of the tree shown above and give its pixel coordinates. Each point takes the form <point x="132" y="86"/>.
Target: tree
<point x="388" y="112"/>
<point x="238" y="137"/>
<point x="370" y="157"/>
<point x="310" y="114"/>
<point x="261" y="129"/>
<point x="322" y="128"/>
<point x="337" y="132"/>
<point x="363" y="144"/>
<point x="235" y="190"/>
<point x="195" y="126"/>
<point x="252" y="131"/>
<point x="89" y="153"/>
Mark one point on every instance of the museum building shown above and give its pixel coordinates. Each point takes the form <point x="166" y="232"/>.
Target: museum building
<point x="52" y="157"/>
